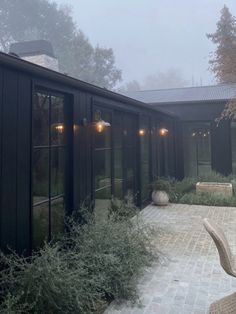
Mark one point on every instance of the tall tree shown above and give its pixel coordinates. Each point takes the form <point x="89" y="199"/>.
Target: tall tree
<point x="223" y="61"/>
<point x="42" y="19"/>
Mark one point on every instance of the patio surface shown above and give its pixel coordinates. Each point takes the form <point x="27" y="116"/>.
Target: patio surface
<point x="189" y="277"/>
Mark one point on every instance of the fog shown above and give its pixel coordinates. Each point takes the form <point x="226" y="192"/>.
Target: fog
<point x="153" y="36"/>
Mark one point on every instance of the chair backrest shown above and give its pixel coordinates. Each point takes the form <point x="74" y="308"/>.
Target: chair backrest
<point x="222" y="245"/>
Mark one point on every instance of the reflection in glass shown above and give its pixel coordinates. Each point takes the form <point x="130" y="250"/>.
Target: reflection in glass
<point x="40" y="224"/>
<point x="57" y="121"/>
<point x="48" y="166"/>
<point x="57" y="171"/>
<point x="102" y="168"/>
<point x="130" y="134"/>
<point x="40" y="119"/>
<point x="103" y="139"/>
<point x="145" y="171"/>
<point x="40" y="175"/>
<point x="197" y="148"/>
<point x="130" y="169"/>
<point x="57" y="216"/>
<point x="118" y="173"/>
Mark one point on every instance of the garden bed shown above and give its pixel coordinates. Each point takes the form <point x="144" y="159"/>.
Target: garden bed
<point x="184" y="192"/>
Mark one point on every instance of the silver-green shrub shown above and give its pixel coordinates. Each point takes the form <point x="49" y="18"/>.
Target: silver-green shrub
<point x="91" y="265"/>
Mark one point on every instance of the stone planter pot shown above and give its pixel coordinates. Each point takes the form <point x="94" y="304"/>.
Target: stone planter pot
<point x="160" y="198"/>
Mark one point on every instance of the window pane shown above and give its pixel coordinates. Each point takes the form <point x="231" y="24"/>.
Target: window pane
<point x="57" y="120"/>
<point x="40" y="224"/>
<point x="130" y="170"/>
<point x="40" y="175"/>
<point x="144" y="142"/>
<point x="130" y="130"/>
<point x="197" y="148"/>
<point x="102" y="168"/>
<point x="57" y="216"/>
<point x="118" y="173"/>
<point x="118" y="130"/>
<point x="103" y="138"/>
<point x="57" y="171"/>
<point x="40" y="119"/>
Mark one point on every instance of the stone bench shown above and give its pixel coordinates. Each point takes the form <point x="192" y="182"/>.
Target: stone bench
<point x="224" y="189"/>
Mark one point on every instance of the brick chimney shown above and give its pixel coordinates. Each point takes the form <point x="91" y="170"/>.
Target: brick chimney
<point x="36" y="51"/>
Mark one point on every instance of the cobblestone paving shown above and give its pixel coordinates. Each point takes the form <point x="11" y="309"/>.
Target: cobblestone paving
<point x="188" y="277"/>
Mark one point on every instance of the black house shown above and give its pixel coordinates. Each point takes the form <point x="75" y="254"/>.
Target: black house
<point x="206" y="145"/>
<point x="64" y="142"/>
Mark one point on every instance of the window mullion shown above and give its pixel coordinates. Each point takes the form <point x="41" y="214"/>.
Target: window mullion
<point x="49" y="168"/>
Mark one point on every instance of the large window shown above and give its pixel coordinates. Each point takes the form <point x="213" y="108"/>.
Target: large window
<point x="144" y="134"/>
<point x="118" y="132"/>
<point x="114" y="157"/>
<point x="48" y="167"/>
<point x="130" y="154"/>
<point x="102" y="163"/>
<point x="197" y="148"/>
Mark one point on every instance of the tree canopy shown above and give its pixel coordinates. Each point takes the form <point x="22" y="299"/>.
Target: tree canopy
<point x="40" y="19"/>
<point x="223" y="60"/>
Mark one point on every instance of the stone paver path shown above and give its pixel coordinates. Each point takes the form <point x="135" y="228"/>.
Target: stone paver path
<point x="188" y="277"/>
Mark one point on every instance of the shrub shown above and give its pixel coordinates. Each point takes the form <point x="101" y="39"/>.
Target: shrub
<point x="93" y="264"/>
<point x="180" y="188"/>
<point x="115" y="251"/>
<point x="213" y="177"/>
<point x="122" y="210"/>
<point x="207" y="199"/>
<point x="52" y="281"/>
<point x="184" y="191"/>
<point x="161" y="184"/>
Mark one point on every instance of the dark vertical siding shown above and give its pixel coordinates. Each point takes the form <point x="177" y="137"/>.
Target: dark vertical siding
<point x="9" y="160"/>
<point x="76" y="151"/>
<point x="221" y="147"/>
<point x="23" y="174"/>
<point x="1" y="119"/>
<point x="15" y="161"/>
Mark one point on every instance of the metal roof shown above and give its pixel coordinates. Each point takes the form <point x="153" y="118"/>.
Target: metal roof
<point x="221" y="92"/>
<point x="33" y="47"/>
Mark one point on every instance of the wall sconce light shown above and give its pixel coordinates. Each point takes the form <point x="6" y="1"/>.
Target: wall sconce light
<point x="100" y="124"/>
<point x="163" y="132"/>
<point x="59" y="127"/>
<point x="141" y="132"/>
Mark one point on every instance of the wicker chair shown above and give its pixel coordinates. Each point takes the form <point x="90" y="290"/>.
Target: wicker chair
<point x="226" y="305"/>
<point x="227" y="259"/>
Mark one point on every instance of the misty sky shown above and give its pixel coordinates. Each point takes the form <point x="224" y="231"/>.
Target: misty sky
<point x="149" y="36"/>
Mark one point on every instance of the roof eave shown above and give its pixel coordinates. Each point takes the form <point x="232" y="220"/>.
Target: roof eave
<point x="28" y="67"/>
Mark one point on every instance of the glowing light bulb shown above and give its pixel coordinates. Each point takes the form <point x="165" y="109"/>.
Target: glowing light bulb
<point x="100" y="127"/>
<point x="163" y="132"/>
<point x="141" y="132"/>
<point x="59" y="128"/>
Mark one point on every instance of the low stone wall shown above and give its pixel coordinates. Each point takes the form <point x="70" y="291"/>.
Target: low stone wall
<point x="225" y="189"/>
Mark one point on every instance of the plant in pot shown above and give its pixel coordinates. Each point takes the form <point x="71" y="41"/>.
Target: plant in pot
<point x="160" y="192"/>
